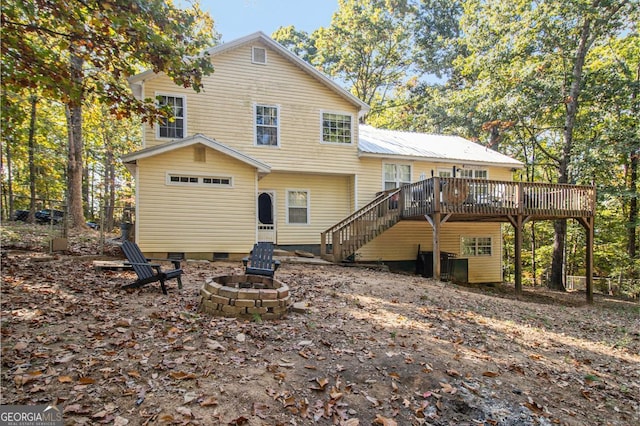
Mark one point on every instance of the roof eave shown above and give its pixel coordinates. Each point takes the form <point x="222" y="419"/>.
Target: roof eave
<point x="133" y="157"/>
<point x="515" y="165"/>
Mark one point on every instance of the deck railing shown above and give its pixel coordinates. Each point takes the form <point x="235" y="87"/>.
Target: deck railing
<point x="490" y="197"/>
<point x="354" y="231"/>
<point x="467" y="199"/>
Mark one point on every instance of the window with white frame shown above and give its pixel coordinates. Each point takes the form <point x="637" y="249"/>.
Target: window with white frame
<point x="267" y="129"/>
<point x="477" y="191"/>
<point x="336" y="128"/>
<point x="476" y="246"/>
<point x="472" y="173"/>
<point x="172" y="126"/>
<point x="298" y="207"/>
<point x="186" y="179"/>
<point x="444" y="173"/>
<point x="396" y="175"/>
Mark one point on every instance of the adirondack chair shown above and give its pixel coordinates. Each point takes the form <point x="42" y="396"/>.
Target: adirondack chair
<point x="260" y="261"/>
<point x="149" y="272"/>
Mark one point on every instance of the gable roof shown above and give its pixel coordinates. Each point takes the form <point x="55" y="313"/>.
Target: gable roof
<point x="409" y="145"/>
<point x="132" y="158"/>
<point x="286" y="53"/>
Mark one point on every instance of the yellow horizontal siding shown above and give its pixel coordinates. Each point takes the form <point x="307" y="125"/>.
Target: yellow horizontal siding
<point x="330" y="200"/>
<point x="224" y="110"/>
<point x="401" y="243"/>
<point x="186" y="218"/>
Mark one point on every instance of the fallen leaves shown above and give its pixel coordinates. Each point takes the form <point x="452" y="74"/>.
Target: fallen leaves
<point x="158" y="361"/>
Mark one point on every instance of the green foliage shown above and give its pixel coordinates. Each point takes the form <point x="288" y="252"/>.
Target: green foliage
<point x="368" y="47"/>
<point x="299" y="42"/>
<point x="114" y="38"/>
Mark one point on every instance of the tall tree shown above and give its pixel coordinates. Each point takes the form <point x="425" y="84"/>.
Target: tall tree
<point x="368" y="47"/>
<point x="297" y="41"/>
<point x="69" y="47"/>
<point x="527" y="61"/>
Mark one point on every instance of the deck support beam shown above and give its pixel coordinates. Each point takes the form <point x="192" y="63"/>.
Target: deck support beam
<point x="588" y="225"/>
<point x="518" y="222"/>
<point x="436" y="245"/>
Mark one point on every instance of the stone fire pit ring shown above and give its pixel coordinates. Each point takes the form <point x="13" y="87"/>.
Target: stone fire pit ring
<point x="245" y="296"/>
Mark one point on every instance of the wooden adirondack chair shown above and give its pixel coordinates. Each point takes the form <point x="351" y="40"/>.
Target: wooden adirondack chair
<point x="260" y="261"/>
<point x="149" y="272"/>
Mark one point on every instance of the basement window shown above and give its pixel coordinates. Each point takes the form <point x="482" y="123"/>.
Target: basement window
<point x="476" y="246"/>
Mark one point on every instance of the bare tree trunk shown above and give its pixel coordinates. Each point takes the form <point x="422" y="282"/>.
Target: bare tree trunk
<point x="560" y="226"/>
<point x="111" y="185"/>
<point x="75" y="163"/>
<point x="632" y="248"/>
<point x="32" y="164"/>
<point x="86" y="186"/>
<point x="8" y="194"/>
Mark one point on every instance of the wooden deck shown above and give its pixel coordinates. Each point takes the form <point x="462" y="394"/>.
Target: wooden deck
<point x="439" y="200"/>
<point x="489" y="200"/>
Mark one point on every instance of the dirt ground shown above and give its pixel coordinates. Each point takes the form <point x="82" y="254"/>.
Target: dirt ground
<point x="374" y="348"/>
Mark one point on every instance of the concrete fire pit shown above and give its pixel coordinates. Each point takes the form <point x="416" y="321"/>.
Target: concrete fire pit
<point x="245" y="296"/>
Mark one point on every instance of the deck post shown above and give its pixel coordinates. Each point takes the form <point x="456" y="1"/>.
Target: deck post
<point x="589" y="258"/>
<point x="588" y="225"/>
<point x="436" y="246"/>
<point x="518" y="254"/>
<point x="436" y="229"/>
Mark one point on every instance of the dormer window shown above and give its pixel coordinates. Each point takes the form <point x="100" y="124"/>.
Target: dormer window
<point x="259" y="55"/>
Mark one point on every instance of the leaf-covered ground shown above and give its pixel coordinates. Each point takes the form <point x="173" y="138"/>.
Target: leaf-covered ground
<point x="375" y="348"/>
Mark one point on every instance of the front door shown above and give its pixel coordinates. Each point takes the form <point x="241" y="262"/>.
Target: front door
<point x="266" y="216"/>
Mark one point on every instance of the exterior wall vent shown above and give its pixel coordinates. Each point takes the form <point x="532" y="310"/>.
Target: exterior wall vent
<point x="259" y="55"/>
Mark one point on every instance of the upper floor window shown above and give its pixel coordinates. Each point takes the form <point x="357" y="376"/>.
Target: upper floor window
<point x="336" y="128"/>
<point x="173" y="126"/>
<point x="396" y="175"/>
<point x="476" y="246"/>
<point x="267" y="125"/>
<point x="298" y="207"/>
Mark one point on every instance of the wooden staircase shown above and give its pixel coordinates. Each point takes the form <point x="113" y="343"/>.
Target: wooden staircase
<point x="347" y="236"/>
<point x="439" y="200"/>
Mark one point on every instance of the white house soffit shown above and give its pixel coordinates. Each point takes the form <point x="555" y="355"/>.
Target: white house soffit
<point x="409" y="145"/>
<point x="192" y="140"/>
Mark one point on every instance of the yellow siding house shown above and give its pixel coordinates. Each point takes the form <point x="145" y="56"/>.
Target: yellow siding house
<point x="272" y="150"/>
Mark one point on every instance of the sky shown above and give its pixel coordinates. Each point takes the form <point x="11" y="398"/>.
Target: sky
<point x="238" y="18"/>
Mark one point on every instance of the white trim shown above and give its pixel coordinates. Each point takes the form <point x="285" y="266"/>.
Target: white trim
<point x="473" y="169"/>
<point x="253" y="55"/>
<point x="287" y="54"/>
<point x="463" y="254"/>
<point x="191" y="140"/>
<point x="355" y="192"/>
<point x="255" y="124"/>
<point x="287" y="191"/>
<point x="363" y="108"/>
<point x="274" y="212"/>
<point x="396" y="164"/>
<point x="136" y="227"/>
<point x="184" y="114"/>
<point x="346" y="114"/>
<point x="200" y="182"/>
<point x="445" y="170"/>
